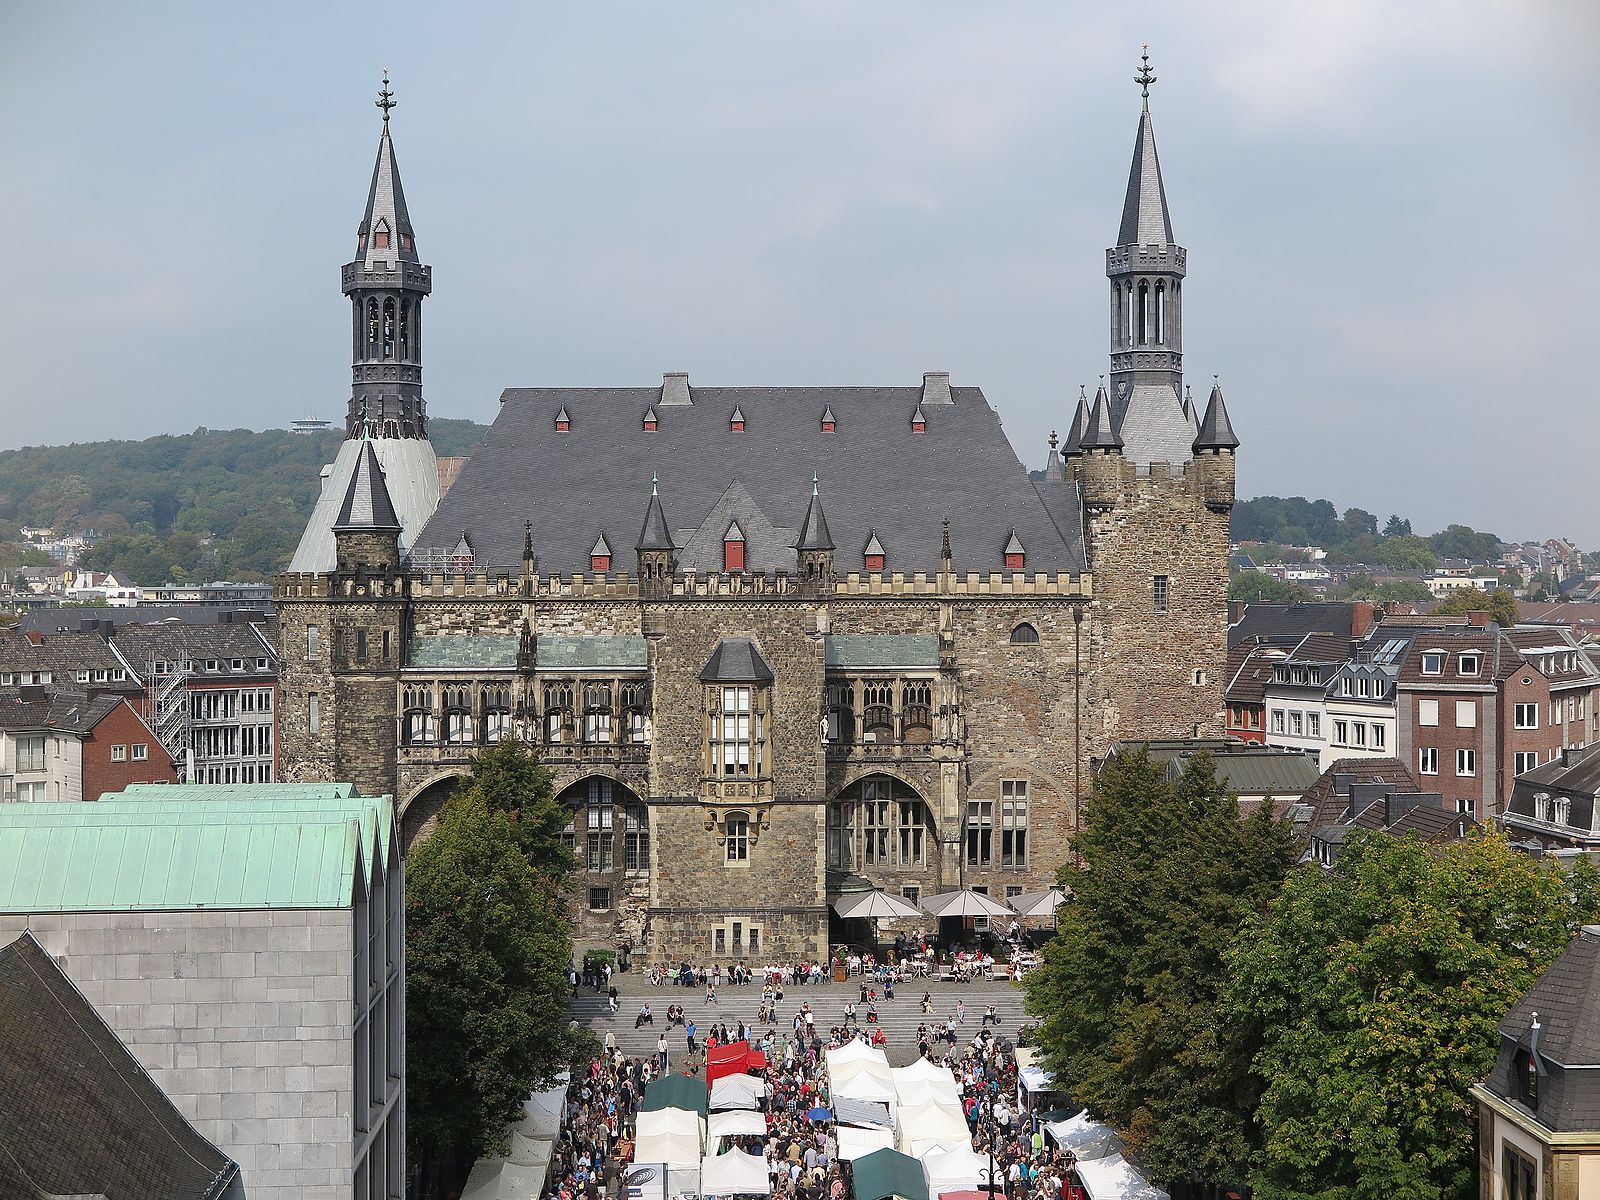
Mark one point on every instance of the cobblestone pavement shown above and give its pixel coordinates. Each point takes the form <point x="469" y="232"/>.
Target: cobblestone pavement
<point x="899" y="1017"/>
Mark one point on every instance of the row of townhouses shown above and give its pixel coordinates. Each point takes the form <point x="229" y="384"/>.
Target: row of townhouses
<point x="1467" y="705"/>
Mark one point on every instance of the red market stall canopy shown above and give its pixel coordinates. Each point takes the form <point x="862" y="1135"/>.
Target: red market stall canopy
<point x="736" y="1058"/>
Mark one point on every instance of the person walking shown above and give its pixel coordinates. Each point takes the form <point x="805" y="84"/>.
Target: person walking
<point x="661" y="1052"/>
<point x="688" y="1033"/>
<point x="961" y="1012"/>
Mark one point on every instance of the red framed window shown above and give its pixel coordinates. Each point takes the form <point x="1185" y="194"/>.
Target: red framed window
<point x="874" y="562"/>
<point x="733" y="555"/>
<point x="1015" y="562"/>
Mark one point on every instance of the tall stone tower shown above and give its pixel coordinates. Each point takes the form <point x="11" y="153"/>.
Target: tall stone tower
<point x="386" y="282"/>
<point x="1157" y="487"/>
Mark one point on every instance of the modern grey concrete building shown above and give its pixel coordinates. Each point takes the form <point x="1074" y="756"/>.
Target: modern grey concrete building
<point x="247" y="945"/>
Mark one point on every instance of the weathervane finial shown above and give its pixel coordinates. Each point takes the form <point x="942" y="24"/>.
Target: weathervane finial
<point x="1144" y="79"/>
<point x="813" y="483"/>
<point x="386" y="99"/>
<point x="653" y="491"/>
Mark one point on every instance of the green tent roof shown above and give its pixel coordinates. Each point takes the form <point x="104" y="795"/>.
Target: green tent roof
<point x="181" y="849"/>
<point x="889" y="1173"/>
<point x="680" y="1091"/>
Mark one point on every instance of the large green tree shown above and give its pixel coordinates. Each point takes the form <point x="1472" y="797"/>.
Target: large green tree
<point x="487" y="949"/>
<point x="1499" y="604"/>
<point x="1130" y="988"/>
<point x="1258" y="587"/>
<point x="1375" y="990"/>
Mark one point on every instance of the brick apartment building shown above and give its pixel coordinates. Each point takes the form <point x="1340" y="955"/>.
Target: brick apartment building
<point x="57" y="743"/>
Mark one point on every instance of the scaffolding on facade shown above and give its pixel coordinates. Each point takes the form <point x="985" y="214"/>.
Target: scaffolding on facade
<point x="166" y="711"/>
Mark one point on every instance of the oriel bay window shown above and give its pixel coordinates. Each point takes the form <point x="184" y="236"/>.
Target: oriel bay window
<point x="636" y="713"/>
<point x="736" y="741"/>
<point x="597" y="714"/>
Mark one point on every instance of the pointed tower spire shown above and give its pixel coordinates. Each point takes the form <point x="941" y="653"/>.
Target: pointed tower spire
<point x="367" y="505"/>
<point x="386" y="283"/>
<point x="1054" y="468"/>
<point x="654" y="535"/>
<point x="1080" y="426"/>
<point x="1145" y="220"/>
<point x="1216" y="431"/>
<point x="1101" y="432"/>
<point x="814" y="533"/>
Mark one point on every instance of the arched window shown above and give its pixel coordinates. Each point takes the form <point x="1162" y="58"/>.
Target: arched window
<point x="877" y="714"/>
<point x="878" y="822"/>
<point x="419" y="727"/>
<point x="841" y="718"/>
<point x="1142" y="305"/>
<point x="1161" y="314"/>
<point x="597" y="714"/>
<point x="736" y="835"/>
<point x="557" y="713"/>
<point x="374" y="328"/>
<point x="916" y="712"/>
<point x="636" y="713"/>
<point x="1198" y="678"/>
<point x="496" y="701"/>
<point x="610" y="827"/>
<point x="388" y="327"/>
<point x="405" y="330"/>
<point x="458" y="722"/>
<point x="1024" y="635"/>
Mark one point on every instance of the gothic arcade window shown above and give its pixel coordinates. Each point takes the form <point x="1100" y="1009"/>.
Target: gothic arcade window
<point x="636" y="714"/>
<point x="877" y="714"/>
<point x="496" y="713"/>
<point x="878" y="822"/>
<point x="557" y="713"/>
<point x="418" y="726"/>
<point x="388" y="327"/>
<point x="916" y="712"/>
<point x="1024" y="635"/>
<point x="610" y="827"/>
<point x="405" y="330"/>
<point x="597" y="714"/>
<point x="736" y="734"/>
<point x="840" y="722"/>
<point x="458" y="722"/>
<point x="373" y="327"/>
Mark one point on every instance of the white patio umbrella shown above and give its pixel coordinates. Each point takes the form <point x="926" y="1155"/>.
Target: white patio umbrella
<point x="877" y="905"/>
<point x="965" y="903"/>
<point x="1038" y="904"/>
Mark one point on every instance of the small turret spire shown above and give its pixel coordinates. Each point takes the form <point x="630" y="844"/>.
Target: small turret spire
<point x="814" y="533"/>
<point x="1216" y="431"/>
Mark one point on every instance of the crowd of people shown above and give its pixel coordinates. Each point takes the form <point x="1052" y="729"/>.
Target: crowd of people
<point x="596" y="1141"/>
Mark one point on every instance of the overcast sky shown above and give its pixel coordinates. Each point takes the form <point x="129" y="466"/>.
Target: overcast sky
<point x="1388" y="209"/>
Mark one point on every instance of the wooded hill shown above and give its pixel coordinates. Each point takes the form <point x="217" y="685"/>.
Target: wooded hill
<point x="212" y="504"/>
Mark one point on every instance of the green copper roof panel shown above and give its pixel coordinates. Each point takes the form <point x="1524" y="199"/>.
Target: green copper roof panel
<point x="235" y="791"/>
<point x="463" y="652"/>
<point x="607" y="652"/>
<point x="176" y="853"/>
<point x="881" y="651"/>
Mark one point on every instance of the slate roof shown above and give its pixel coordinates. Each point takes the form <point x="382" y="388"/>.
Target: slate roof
<point x="386" y="204"/>
<point x="57" y="652"/>
<point x="79" y="1117"/>
<point x="736" y="660"/>
<point x="366" y="501"/>
<point x="1250" y="668"/>
<point x="880" y="651"/>
<point x="1145" y="219"/>
<point x="447" y="651"/>
<point x="1279" y="621"/>
<point x="595" y="479"/>
<point x="1216" y="431"/>
<point x="174" y="641"/>
<point x="601" y="652"/>
<point x="1151" y="425"/>
<point x="57" y="709"/>
<point x="1580" y="774"/>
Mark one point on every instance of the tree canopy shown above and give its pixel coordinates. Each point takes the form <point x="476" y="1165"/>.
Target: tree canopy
<point x="1354" y="537"/>
<point x="1260" y="588"/>
<point x="1130" y="988"/>
<point x="487" y="948"/>
<point x="1374" y="991"/>
<point x="1500" y="604"/>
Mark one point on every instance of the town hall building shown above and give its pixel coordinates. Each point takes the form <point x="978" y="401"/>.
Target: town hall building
<point x="777" y="643"/>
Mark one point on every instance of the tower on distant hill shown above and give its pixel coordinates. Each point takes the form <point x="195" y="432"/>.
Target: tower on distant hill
<point x="386" y="283"/>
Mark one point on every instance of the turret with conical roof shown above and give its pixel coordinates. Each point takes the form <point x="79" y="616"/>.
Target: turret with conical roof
<point x="386" y="283"/>
<point x="814" y="547"/>
<point x="1073" y="446"/>
<point x="1098" y="464"/>
<point x="366" y="532"/>
<point x="655" y="548"/>
<point x="1214" y="448"/>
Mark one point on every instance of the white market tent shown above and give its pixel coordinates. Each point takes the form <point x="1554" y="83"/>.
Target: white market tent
<point x="1084" y="1136"/>
<point x="675" y="1149"/>
<point x="520" y="1175"/>
<point x="921" y="1069"/>
<point x="735" y="1122"/>
<point x="734" y="1174"/>
<point x="958" y="1170"/>
<point x="737" y="1091"/>
<point x="860" y="1072"/>
<point x="853" y="1051"/>
<point x="667" y="1120"/>
<point x="920" y="1147"/>
<point x="930" y="1122"/>
<point x="1115" y="1178"/>
<point x="853" y="1142"/>
<point x="918" y="1092"/>
<point x="500" y="1179"/>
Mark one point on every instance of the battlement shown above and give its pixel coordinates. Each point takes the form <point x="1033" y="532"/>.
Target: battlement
<point x="620" y="585"/>
<point x="411" y="276"/>
<point x="1158" y="260"/>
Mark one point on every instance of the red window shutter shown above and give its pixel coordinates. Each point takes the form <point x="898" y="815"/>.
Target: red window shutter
<point x="600" y="562"/>
<point x="381" y="239"/>
<point x="874" y="562"/>
<point x="1014" y="561"/>
<point x="733" y="556"/>
<point x="649" y="426"/>
<point x="736" y="426"/>
<point x="563" y="426"/>
<point x="919" y="427"/>
<point x="828" y="426"/>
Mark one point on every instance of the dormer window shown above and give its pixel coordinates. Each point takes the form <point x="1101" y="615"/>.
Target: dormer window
<point x="405" y="242"/>
<point x="828" y="422"/>
<point x="872" y="556"/>
<point x="733" y="548"/>
<point x="563" y="422"/>
<point x="650" y="420"/>
<point x="1470" y="663"/>
<point x="736" y="421"/>
<point x="1016" y="556"/>
<point x="600" y="555"/>
<point x="1525" y="1079"/>
<point x="1433" y="662"/>
<point x="919" y="422"/>
<point x="380" y="240"/>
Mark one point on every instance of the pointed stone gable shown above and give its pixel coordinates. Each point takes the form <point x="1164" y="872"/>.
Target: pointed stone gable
<point x="768" y="546"/>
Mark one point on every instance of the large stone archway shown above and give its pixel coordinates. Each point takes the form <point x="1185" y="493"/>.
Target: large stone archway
<point x="418" y="814"/>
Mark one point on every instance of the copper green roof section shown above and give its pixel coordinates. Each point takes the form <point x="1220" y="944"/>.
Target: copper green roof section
<point x="177" y="853"/>
<point x="881" y="651"/>
<point x="603" y="652"/>
<point x="462" y="651"/>
<point x="234" y="791"/>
